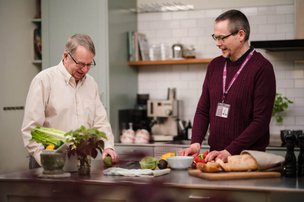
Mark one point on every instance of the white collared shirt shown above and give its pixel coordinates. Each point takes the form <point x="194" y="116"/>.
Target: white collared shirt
<point x="55" y="100"/>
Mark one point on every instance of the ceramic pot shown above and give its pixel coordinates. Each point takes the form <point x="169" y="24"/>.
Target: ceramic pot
<point x="52" y="162"/>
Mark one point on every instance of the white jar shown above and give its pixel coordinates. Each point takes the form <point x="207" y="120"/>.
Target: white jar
<point x="128" y="136"/>
<point x="142" y="136"/>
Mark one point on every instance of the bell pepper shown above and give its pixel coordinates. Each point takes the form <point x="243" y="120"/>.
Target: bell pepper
<point x="166" y="155"/>
<point x="50" y="147"/>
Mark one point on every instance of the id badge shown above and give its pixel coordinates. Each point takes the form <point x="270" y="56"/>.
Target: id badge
<point x="222" y="110"/>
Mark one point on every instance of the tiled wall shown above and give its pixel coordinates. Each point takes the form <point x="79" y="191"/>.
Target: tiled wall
<point x="195" y="28"/>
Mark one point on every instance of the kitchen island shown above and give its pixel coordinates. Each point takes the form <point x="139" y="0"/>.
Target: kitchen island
<point x="28" y="185"/>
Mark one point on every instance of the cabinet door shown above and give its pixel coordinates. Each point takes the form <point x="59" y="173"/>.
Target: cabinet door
<point x="106" y="22"/>
<point x="133" y="152"/>
<point x="63" y="18"/>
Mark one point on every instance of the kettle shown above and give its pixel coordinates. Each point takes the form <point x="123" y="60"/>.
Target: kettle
<point x="177" y="51"/>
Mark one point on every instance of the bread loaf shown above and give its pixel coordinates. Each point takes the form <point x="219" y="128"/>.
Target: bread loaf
<point x="209" y="167"/>
<point x="244" y="162"/>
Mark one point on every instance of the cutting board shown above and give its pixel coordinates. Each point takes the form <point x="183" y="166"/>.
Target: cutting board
<point x="232" y="175"/>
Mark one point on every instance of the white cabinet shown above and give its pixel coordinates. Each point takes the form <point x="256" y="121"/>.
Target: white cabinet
<point x="107" y="22"/>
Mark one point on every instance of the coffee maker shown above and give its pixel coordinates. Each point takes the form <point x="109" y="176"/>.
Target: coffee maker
<point x="137" y="116"/>
<point x="164" y="114"/>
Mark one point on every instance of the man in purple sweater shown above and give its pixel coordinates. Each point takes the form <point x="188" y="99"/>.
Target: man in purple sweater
<point x="238" y="94"/>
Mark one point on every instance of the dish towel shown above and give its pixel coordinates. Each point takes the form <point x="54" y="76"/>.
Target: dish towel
<point x="135" y="172"/>
<point x="265" y="160"/>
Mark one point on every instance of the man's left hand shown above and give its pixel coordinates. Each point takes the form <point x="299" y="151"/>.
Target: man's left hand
<point x="112" y="153"/>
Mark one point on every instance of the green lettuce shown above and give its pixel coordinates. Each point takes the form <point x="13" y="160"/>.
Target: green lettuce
<point x="48" y="136"/>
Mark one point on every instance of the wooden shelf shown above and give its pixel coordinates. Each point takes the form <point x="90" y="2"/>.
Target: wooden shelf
<point x="37" y="62"/>
<point x="171" y="62"/>
<point x="36" y="20"/>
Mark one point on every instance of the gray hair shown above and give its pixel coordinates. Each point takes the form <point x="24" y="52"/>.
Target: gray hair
<point x="237" y="21"/>
<point x="79" y="40"/>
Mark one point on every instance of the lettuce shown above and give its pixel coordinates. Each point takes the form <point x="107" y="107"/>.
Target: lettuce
<point x="48" y="136"/>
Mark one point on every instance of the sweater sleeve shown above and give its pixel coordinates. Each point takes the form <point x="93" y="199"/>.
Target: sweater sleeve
<point x="201" y="117"/>
<point x="263" y="99"/>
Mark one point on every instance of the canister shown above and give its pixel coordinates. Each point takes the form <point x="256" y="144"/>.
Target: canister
<point x="177" y="51"/>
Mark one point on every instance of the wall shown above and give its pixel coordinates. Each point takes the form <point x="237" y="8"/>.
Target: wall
<point x="195" y="28"/>
<point x="17" y="71"/>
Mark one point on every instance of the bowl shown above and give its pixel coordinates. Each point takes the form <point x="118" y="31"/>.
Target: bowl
<point x="52" y="162"/>
<point x="180" y="162"/>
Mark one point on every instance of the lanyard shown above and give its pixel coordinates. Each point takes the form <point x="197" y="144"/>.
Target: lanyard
<point x="225" y="92"/>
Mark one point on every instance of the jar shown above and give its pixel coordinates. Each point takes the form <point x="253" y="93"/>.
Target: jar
<point x="177" y="51"/>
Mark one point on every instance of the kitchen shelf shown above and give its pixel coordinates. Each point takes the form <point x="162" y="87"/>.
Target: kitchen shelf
<point x="37" y="62"/>
<point x="36" y="20"/>
<point x="171" y="62"/>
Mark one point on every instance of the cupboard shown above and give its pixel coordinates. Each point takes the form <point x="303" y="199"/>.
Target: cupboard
<point x="107" y="22"/>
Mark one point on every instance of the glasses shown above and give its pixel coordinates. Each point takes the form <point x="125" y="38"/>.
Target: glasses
<point x="82" y="65"/>
<point x="221" y="38"/>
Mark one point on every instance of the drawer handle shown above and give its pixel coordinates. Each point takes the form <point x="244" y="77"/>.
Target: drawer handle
<point x="198" y="197"/>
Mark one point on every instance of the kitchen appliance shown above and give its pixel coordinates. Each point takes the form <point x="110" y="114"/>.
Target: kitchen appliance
<point x="137" y="116"/>
<point x="164" y="114"/>
<point x="294" y="43"/>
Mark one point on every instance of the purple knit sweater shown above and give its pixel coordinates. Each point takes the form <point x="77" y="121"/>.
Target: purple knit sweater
<point x="251" y="99"/>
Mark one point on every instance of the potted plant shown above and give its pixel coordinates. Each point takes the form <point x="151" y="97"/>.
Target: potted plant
<point x="281" y="103"/>
<point x="85" y="143"/>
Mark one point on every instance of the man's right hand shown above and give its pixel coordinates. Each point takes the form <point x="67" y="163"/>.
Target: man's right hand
<point x="193" y="150"/>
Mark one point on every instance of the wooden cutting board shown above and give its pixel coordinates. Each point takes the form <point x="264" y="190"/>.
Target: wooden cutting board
<point x="232" y="175"/>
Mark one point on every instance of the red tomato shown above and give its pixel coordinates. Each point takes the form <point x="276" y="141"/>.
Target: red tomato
<point x="205" y="153"/>
<point x="201" y="157"/>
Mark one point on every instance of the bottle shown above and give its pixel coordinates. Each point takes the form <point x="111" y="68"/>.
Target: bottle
<point x="189" y="127"/>
<point x="128" y="136"/>
<point x="301" y="155"/>
<point x="290" y="164"/>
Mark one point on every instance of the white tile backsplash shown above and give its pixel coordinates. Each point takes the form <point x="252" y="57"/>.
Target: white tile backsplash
<point x="285" y="9"/>
<point x="195" y="28"/>
<point x="252" y="11"/>
<point x="300" y="122"/>
<point x="299" y="83"/>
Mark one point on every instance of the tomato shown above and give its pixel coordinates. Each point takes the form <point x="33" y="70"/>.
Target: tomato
<point x="205" y="153"/>
<point x="201" y="157"/>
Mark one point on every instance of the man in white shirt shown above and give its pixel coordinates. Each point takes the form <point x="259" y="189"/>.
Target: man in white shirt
<point x="65" y="97"/>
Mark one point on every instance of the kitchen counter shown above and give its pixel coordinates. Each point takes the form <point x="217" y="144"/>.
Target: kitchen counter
<point x="158" y="148"/>
<point x="26" y="185"/>
<point x="186" y="143"/>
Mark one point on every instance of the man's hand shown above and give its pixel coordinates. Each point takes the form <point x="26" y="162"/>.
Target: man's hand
<point x="193" y="150"/>
<point x="214" y="155"/>
<point x="110" y="152"/>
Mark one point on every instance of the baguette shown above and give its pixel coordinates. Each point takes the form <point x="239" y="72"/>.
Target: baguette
<point x="244" y="162"/>
<point x="209" y="167"/>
